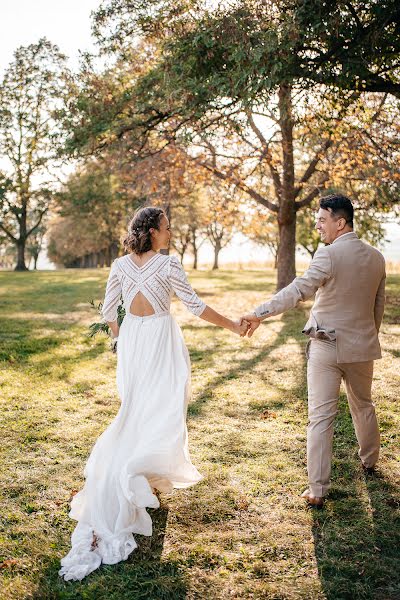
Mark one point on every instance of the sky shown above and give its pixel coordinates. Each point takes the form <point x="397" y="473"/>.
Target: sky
<point x="67" y="24"/>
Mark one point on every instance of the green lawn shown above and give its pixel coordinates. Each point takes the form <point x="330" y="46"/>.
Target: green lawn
<point x="243" y="532"/>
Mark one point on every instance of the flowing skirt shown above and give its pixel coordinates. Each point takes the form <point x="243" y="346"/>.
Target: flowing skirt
<point x="144" y="447"/>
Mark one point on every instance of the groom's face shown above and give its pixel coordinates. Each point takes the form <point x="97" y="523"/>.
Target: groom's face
<point x="327" y="226"/>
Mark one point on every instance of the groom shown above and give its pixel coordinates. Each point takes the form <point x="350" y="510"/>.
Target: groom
<point x="348" y="277"/>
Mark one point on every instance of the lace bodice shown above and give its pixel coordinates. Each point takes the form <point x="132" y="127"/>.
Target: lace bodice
<point x="157" y="280"/>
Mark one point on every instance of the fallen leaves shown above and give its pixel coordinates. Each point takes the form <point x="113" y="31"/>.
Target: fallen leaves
<point x="268" y="414"/>
<point x="7" y="564"/>
<point x="73" y="493"/>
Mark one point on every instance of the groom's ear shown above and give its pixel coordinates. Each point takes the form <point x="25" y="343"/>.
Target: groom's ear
<point x="341" y="223"/>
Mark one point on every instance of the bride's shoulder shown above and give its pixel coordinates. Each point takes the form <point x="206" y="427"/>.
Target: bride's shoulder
<point x="174" y="263"/>
<point x="117" y="264"/>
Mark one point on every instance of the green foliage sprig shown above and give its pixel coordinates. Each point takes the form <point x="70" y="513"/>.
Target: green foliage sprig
<point x="101" y="326"/>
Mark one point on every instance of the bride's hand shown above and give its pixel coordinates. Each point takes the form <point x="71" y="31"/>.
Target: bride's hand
<point x="252" y="321"/>
<point x="240" y="327"/>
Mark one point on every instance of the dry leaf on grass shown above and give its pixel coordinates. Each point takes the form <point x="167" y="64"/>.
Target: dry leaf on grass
<point x="73" y="492"/>
<point x="6" y="564"/>
<point x="268" y="414"/>
<point x="242" y="503"/>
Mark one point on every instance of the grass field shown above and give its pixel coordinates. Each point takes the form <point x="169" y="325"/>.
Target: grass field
<point x="243" y="532"/>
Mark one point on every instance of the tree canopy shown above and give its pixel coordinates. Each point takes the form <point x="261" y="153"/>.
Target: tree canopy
<point x="30" y="95"/>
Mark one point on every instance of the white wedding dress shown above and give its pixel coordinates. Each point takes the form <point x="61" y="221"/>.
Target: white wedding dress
<point x="146" y="444"/>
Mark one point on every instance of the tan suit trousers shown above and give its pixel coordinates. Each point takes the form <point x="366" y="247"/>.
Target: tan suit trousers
<point x="324" y="376"/>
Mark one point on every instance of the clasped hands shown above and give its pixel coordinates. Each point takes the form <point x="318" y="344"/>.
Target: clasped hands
<point x="247" y="324"/>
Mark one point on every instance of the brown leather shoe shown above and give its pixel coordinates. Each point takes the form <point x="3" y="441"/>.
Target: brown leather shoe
<point x="312" y="501"/>
<point x="369" y="471"/>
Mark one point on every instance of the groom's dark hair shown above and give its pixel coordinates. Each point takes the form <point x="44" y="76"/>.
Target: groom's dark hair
<point x="339" y="206"/>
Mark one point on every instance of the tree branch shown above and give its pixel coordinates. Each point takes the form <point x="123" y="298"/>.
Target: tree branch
<point x="274" y="172"/>
<point x="42" y="213"/>
<point x="313" y="165"/>
<point x="7" y="232"/>
<point x="241" y="186"/>
<point x="313" y="193"/>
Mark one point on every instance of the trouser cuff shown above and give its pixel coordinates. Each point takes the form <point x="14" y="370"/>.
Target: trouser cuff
<point x="318" y="490"/>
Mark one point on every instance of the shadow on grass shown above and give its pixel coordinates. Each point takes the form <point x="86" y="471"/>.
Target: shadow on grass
<point x="228" y="281"/>
<point x="50" y="291"/>
<point x="143" y="576"/>
<point x="22" y="340"/>
<point x="240" y="367"/>
<point x="54" y="299"/>
<point x="20" y="354"/>
<point x="357" y="535"/>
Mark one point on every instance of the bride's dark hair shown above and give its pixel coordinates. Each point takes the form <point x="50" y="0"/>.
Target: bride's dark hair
<point x="138" y="239"/>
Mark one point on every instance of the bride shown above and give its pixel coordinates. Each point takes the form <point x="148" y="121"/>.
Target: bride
<point x="145" y="448"/>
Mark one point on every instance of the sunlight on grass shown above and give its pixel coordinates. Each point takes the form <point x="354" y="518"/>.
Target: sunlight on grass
<point x="243" y="532"/>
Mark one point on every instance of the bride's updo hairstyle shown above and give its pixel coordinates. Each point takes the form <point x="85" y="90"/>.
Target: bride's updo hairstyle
<point x="138" y="239"/>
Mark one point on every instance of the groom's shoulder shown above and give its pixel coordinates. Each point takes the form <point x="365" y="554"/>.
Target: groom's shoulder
<point x="374" y="251"/>
<point x="366" y="247"/>
<point x="356" y="249"/>
<point x="322" y="254"/>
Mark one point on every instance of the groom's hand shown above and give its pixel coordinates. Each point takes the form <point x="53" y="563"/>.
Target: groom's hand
<point x="253" y="321"/>
<point x="244" y="327"/>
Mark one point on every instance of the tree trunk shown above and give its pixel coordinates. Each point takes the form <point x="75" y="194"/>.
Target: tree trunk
<point x="287" y="207"/>
<point x="114" y="250"/>
<point x="195" y="253"/>
<point x="217" y="250"/>
<point x="287" y="250"/>
<point x="107" y="256"/>
<point x="35" y="258"/>
<point x="101" y="258"/>
<point x="195" y="248"/>
<point x="168" y="212"/>
<point x="21" y="266"/>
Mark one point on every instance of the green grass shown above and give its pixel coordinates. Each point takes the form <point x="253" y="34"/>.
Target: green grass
<point x="243" y="532"/>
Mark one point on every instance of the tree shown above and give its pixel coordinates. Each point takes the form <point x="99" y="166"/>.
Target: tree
<point x="181" y="234"/>
<point x="188" y="225"/>
<point x="222" y="218"/>
<point x="348" y="44"/>
<point x="262" y="43"/>
<point x="7" y="252"/>
<point x="35" y="243"/>
<point x="74" y="242"/>
<point x="284" y="155"/>
<point x="198" y="211"/>
<point x="260" y="226"/>
<point x="30" y="94"/>
<point x="93" y="209"/>
<point x="230" y="73"/>
<point x="307" y="236"/>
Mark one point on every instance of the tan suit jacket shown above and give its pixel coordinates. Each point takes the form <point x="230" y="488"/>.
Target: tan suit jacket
<point x="348" y="278"/>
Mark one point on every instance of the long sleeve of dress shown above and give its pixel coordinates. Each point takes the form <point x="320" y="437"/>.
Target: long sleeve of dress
<point x="112" y="295"/>
<point x="183" y="289"/>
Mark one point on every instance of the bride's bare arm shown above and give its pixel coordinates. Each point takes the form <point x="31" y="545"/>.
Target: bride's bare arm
<point x="212" y="316"/>
<point x="113" y="325"/>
